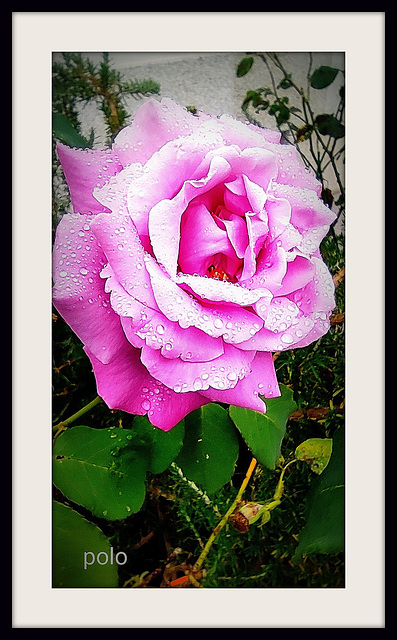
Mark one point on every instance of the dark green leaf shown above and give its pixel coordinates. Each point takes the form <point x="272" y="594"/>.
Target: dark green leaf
<point x="328" y="125"/>
<point x="210" y="447"/>
<point x="285" y="82"/>
<point x="72" y="536"/>
<point x="324" y="531"/>
<point x="65" y="132"/>
<point x="103" y="470"/>
<point x="323" y="77"/>
<point x="264" y="432"/>
<point x="244" y="66"/>
<point x="162" y="446"/>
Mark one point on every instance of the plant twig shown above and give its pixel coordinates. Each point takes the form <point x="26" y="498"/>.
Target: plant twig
<point x="225" y="518"/>
<point x="64" y="423"/>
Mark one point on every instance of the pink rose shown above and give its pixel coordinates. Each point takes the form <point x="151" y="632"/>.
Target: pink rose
<point x="192" y="253"/>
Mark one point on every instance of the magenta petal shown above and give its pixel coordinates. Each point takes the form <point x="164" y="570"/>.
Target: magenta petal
<point x="121" y="244"/>
<point x="262" y="380"/>
<point x="79" y="293"/>
<point x="233" y="323"/>
<point x="85" y="170"/>
<point x="299" y="273"/>
<point x="157" y="332"/>
<point x="165" y="236"/>
<point x="201" y="238"/>
<point x="125" y="384"/>
<point x="221" y="373"/>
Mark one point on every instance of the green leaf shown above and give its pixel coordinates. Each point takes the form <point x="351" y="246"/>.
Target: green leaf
<point x="210" y="448"/>
<point x="316" y="452"/>
<point x="72" y="536"/>
<point x="103" y="470"/>
<point x="65" y="132"/>
<point x="328" y="125"/>
<point x="244" y="66"/>
<point x="162" y="446"/>
<point x="264" y="432"/>
<point x="324" y="531"/>
<point x="323" y="77"/>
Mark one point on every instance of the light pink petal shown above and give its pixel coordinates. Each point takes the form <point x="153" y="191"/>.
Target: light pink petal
<point x="122" y="247"/>
<point x="307" y="209"/>
<point x="221" y="290"/>
<point x="235" y="196"/>
<point x="85" y="170"/>
<point x="165" y="217"/>
<point x="125" y="384"/>
<point x="319" y="294"/>
<point x="155" y="123"/>
<point x="282" y="312"/>
<point x="164" y="175"/>
<point x="157" y="332"/>
<point x="321" y="326"/>
<point x="258" y="165"/>
<point x="279" y="215"/>
<point x="299" y="273"/>
<point x="292" y="171"/>
<point x="267" y="340"/>
<point x="78" y="293"/>
<point x="235" y="324"/>
<point x="221" y="373"/>
<point x="271" y="267"/>
<point x="236" y="229"/>
<point x="261" y="381"/>
<point x="235" y="132"/>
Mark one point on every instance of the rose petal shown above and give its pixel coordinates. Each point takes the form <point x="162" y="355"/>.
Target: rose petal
<point x="262" y="380"/>
<point x="165" y="237"/>
<point x="201" y="238"/>
<point x="125" y="384"/>
<point x="155" y="123"/>
<point x="122" y="247"/>
<point x="267" y="340"/>
<point x="221" y="290"/>
<point x="86" y="169"/>
<point x="78" y="293"/>
<point x="156" y="331"/>
<point x="221" y="373"/>
<point x="319" y="294"/>
<point x="233" y="323"/>
<point x="299" y="273"/>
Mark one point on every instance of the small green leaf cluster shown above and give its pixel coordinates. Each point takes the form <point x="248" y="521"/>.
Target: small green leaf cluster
<point x="322" y="133"/>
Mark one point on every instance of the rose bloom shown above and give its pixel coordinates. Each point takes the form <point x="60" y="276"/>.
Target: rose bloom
<point x="190" y="255"/>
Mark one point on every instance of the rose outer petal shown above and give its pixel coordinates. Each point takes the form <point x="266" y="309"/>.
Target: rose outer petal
<point x="78" y="292"/>
<point x="262" y="380"/>
<point x="125" y="384"/>
<point x="221" y="373"/>
<point x="85" y="170"/>
<point x="122" y="247"/>
<point x="158" y="332"/>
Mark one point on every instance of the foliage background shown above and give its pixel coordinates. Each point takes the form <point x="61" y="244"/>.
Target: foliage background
<point x="175" y="514"/>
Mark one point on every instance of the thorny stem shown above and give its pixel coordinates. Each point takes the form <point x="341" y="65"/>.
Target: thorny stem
<point x="64" y="423"/>
<point x="225" y="518"/>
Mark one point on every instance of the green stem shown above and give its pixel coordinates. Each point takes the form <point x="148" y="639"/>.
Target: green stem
<point x="225" y="518"/>
<point x="62" y="425"/>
